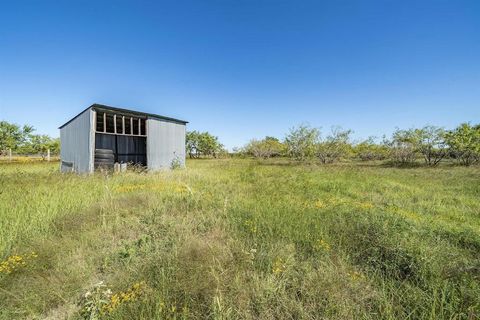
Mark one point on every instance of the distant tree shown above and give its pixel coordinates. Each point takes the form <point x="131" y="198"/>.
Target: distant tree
<point x="402" y="147"/>
<point x="13" y="136"/>
<point x="209" y="145"/>
<point x="202" y="144"/>
<point x="191" y="143"/>
<point x="55" y="146"/>
<point x="266" y="148"/>
<point x="464" y="143"/>
<point x="301" y="142"/>
<point x="40" y="144"/>
<point x="238" y="152"/>
<point x="335" y="146"/>
<point x="369" y="150"/>
<point x="429" y="141"/>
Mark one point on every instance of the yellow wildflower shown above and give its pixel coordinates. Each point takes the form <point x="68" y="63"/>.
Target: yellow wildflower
<point x="405" y="213"/>
<point x="329" y="202"/>
<point x="129" y="188"/>
<point x="16" y="262"/>
<point x="365" y="205"/>
<point x="251" y="226"/>
<point x="356" y="276"/>
<point x="320" y="204"/>
<point x="321" y="245"/>
<point x="131" y="294"/>
<point x="278" y="266"/>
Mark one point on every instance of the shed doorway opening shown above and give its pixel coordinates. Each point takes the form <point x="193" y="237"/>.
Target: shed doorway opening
<point x="124" y="135"/>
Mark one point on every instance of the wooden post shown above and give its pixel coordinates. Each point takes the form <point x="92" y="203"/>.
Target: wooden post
<point x="48" y="155"/>
<point x="131" y="125"/>
<point x="104" y="122"/>
<point x="10" y="155"/>
<point x="115" y="123"/>
<point x="139" y="127"/>
<point x="123" y="124"/>
<point x="95" y="119"/>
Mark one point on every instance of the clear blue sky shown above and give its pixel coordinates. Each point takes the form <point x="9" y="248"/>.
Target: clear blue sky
<point x="244" y="69"/>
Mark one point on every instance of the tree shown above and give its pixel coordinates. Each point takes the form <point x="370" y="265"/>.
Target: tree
<point x="23" y="141"/>
<point x="335" y="146"/>
<point x="430" y="142"/>
<point x="266" y="148"/>
<point x="202" y="144"/>
<point x="301" y="141"/>
<point x="191" y="144"/>
<point x="40" y="144"/>
<point x="464" y="143"/>
<point x="55" y="146"/>
<point x="402" y="147"/>
<point x="12" y="136"/>
<point x="369" y="150"/>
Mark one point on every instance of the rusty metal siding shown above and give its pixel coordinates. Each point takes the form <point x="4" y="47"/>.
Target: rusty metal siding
<point x="165" y="143"/>
<point x="77" y="143"/>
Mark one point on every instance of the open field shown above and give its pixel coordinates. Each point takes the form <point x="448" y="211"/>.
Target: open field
<point x="22" y="159"/>
<point x="227" y="239"/>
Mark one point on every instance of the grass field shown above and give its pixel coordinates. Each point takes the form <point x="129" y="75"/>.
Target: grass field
<point x="229" y="239"/>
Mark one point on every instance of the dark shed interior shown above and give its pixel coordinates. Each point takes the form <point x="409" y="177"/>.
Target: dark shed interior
<point x="127" y="149"/>
<point x="122" y="133"/>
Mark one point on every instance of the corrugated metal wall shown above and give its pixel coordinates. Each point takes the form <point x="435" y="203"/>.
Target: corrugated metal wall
<point x="76" y="144"/>
<point x="165" y="142"/>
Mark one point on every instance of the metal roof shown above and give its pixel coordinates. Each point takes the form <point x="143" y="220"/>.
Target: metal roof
<point x="97" y="106"/>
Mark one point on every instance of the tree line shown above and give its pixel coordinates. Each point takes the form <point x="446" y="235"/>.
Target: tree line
<point x="23" y="140"/>
<point x="431" y="144"/>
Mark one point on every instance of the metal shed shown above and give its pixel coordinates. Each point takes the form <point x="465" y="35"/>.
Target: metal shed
<point x="135" y="137"/>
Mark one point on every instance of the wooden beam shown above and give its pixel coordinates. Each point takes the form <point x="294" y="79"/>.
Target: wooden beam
<point x="120" y="134"/>
<point x="104" y="122"/>
<point x="122" y="130"/>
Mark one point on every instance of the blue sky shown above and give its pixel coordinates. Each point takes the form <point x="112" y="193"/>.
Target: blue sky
<point x="244" y="69"/>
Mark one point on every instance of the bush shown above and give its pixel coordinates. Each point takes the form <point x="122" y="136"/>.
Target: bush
<point x="429" y="141"/>
<point x="464" y="143"/>
<point x="335" y="146"/>
<point x="402" y="147"/>
<point x="368" y="150"/>
<point x="266" y="148"/>
<point x="176" y="163"/>
<point x="301" y="142"/>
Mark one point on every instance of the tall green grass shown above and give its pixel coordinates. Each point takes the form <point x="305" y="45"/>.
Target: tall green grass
<point x="243" y="239"/>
